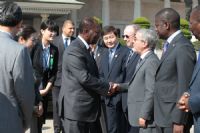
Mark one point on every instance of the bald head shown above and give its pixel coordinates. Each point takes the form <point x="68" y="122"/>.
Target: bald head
<point x="196" y="12"/>
<point x="129" y="34"/>
<point x="171" y="16"/>
<point x="68" y="28"/>
<point x="195" y="22"/>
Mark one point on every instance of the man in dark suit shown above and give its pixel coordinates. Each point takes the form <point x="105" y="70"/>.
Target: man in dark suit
<point x="113" y="70"/>
<point x="61" y="42"/>
<point x="190" y="101"/>
<point x="141" y="86"/>
<point x="173" y="74"/>
<point x="131" y="62"/>
<point x="79" y="97"/>
<point x="16" y="81"/>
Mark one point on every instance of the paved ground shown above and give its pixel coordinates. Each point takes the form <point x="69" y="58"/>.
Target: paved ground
<point x="48" y="127"/>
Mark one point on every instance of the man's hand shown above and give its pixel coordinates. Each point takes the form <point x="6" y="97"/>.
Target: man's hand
<point x="183" y="102"/>
<point x="142" y="122"/>
<point x="178" y="128"/>
<point x="114" y="87"/>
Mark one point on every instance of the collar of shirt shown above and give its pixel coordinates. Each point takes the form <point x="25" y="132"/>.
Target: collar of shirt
<point x="43" y="47"/>
<point x="63" y="37"/>
<point x="114" y="48"/>
<point x="173" y="36"/>
<point x="84" y="42"/>
<point x="143" y="55"/>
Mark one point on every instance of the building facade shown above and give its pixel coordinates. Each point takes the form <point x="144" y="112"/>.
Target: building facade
<point x="112" y="12"/>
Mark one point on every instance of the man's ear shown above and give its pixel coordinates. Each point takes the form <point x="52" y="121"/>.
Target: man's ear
<point x="21" y="40"/>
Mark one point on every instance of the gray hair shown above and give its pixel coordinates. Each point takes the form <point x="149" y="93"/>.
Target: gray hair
<point x="149" y="36"/>
<point x="135" y="27"/>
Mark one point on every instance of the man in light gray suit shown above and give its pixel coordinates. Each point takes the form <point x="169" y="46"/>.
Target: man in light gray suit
<point x="16" y="80"/>
<point x="173" y="74"/>
<point x="141" y="86"/>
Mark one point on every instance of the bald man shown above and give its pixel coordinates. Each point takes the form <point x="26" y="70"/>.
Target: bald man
<point x="173" y="74"/>
<point x="61" y="42"/>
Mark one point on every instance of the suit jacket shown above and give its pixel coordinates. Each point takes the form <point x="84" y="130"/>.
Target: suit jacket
<point x="172" y="79"/>
<point x="116" y="73"/>
<point x="58" y="42"/>
<point x="40" y="74"/>
<point x="194" y="99"/>
<point x="130" y="69"/>
<point x="16" y="86"/>
<point x="79" y="97"/>
<point x="140" y="91"/>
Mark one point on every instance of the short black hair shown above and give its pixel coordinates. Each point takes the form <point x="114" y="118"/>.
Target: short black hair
<point x="196" y="10"/>
<point x="171" y="16"/>
<point x="86" y="24"/>
<point x="10" y="14"/>
<point x="107" y="29"/>
<point x="50" y="25"/>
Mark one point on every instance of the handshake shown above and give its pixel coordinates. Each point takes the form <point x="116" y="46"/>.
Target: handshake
<point x="114" y="87"/>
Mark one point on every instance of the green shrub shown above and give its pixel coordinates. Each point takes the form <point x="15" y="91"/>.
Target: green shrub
<point x="196" y="45"/>
<point x="121" y="40"/>
<point x="184" y="26"/>
<point x="142" y="21"/>
<point x="99" y="21"/>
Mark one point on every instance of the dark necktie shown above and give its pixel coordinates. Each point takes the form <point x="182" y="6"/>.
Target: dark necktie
<point x="66" y="42"/>
<point x="129" y="57"/>
<point x="138" y="63"/>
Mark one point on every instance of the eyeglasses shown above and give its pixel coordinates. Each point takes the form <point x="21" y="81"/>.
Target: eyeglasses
<point x="123" y="36"/>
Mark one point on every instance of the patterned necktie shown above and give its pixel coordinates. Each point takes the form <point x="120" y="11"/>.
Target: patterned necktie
<point x="129" y="57"/>
<point x="165" y="47"/>
<point x="198" y="59"/>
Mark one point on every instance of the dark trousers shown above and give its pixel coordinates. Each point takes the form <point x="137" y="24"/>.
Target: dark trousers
<point x="42" y="119"/>
<point x="56" y="119"/>
<point x="114" y="115"/>
<point x="103" y="119"/>
<point x="72" y="126"/>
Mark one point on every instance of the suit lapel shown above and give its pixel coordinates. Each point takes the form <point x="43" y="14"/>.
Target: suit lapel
<point x="196" y="70"/>
<point x="61" y="43"/>
<point x="132" y="58"/>
<point x="172" y="46"/>
<point x="140" y="65"/>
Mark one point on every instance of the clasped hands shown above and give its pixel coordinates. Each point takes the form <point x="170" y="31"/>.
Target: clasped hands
<point x="183" y="102"/>
<point x="114" y="87"/>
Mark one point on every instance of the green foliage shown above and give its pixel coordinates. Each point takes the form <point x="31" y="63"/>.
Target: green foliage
<point x="184" y="25"/>
<point x="121" y="40"/>
<point x="99" y="21"/>
<point x="196" y="45"/>
<point x="142" y="21"/>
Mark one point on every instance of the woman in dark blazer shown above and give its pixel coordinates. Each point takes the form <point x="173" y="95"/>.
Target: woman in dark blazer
<point x="44" y="57"/>
<point x="27" y="37"/>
